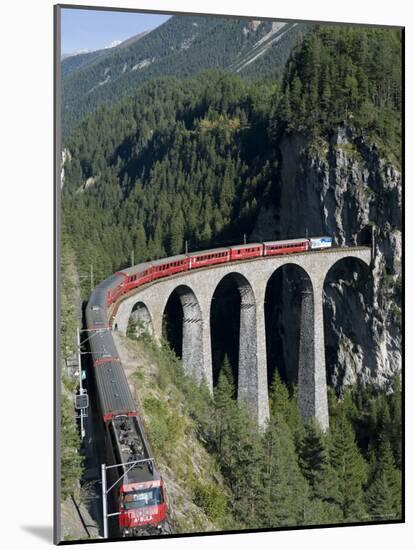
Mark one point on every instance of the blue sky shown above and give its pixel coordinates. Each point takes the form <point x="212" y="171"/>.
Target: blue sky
<point x="95" y="29"/>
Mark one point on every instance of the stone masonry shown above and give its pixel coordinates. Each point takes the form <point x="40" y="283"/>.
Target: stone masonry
<point x="196" y="289"/>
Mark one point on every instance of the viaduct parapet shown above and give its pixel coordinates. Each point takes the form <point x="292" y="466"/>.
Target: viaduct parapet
<point x="196" y="289"/>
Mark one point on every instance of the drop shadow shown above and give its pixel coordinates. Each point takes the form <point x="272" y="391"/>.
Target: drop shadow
<point x="43" y="532"/>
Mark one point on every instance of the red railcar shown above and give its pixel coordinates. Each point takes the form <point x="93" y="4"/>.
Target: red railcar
<point x="169" y="266"/>
<point x="272" y="248"/>
<point x="208" y="257"/>
<point x="136" y="278"/>
<point x="114" y="293"/>
<point x="245" y="251"/>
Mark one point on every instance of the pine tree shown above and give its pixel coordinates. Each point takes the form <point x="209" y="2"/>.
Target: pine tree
<point x="315" y="465"/>
<point x="140" y="244"/>
<point x="380" y="500"/>
<point x="396" y="420"/>
<point x="239" y="449"/>
<point x="245" y="473"/>
<point x="176" y="240"/>
<point x="282" y="404"/>
<point x="384" y="494"/>
<point x="350" y="468"/>
<point x="286" y="493"/>
<point x="313" y="452"/>
<point x="224" y="403"/>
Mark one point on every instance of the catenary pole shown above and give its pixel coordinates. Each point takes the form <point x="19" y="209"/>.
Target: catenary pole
<point x="81" y="389"/>
<point x="104" y="500"/>
<point x="92" y="277"/>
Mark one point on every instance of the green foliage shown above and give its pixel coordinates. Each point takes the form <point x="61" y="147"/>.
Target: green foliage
<point x="212" y="500"/>
<point x="71" y="460"/>
<point x="350" y="467"/>
<point x="238" y="445"/>
<point x="284" y="403"/>
<point x="384" y="493"/>
<point x="314" y="459"/>
<point x="292" y="473"/>
<point x="183" y="46"/>
<point x="68" y="294"/>
<point x="165" y="428"/>
<point x="345" y="75"/>
<point x="285" y="489"/>
<point x="177" y="161"/>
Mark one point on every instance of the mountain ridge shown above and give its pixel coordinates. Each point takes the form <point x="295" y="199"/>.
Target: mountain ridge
<point x="181" y="47"/>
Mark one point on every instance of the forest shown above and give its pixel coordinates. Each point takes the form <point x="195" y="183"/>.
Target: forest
<point x="181" y="47"/>
<point x="292" y="473"/>
<point x="192" y="161"/>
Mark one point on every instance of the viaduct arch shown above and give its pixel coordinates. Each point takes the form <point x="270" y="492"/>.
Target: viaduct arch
<point x="196" y="290"/>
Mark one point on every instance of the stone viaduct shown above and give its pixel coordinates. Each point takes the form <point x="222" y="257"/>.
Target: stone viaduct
<point x="196" y="289"/>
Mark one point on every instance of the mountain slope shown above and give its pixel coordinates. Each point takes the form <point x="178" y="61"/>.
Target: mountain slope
<point x="183" y="46"/>
<point x="73" y="63"/>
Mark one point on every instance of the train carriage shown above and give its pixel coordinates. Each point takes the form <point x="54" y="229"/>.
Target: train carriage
<point x="169" y="266"/>
<point x="246" y="251"/>
<point x="208" y="257"/>
<point x="137" y="275"/>
<point x="289" y="246"/>
<point x="113" y="287"/>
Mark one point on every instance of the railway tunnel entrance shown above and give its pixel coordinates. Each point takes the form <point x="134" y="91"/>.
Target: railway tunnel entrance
<point x="183" y="329"/>
<point x="233" y="334"/>
<point x="350" y="321"/>
<point x="288" y="302"/>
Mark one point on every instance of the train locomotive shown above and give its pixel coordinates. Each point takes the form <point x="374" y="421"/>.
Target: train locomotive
<point x="140" y="495"/>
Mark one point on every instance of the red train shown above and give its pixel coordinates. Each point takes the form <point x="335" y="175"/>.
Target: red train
<point x="138" y="488"/>
<point x="150" y="271"/>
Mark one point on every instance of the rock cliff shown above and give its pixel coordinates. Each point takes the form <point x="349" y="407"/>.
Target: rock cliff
<point x="345" y="188"/>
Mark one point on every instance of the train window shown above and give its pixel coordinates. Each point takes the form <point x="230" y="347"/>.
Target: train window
<point x="144" y="497"/>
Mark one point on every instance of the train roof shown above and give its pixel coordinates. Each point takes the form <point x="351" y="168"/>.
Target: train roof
<point x="244" y="246"/>
<point x="132" y="445"/>
<point x="113" y="389"/>
<point x="210" y="251"/>
<point x="288" y="241"/>
<point x="110" y="282"/>
<point x="96" y="314"/>
<point x="102" y="345"/>
<point x="163" y="261"/>
<point x="98" y="298"/>
<point x="136" y="268"/>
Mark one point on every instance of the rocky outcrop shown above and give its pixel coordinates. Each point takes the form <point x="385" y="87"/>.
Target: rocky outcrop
<point x="344" y="188"/>
<point x="65" y="157"/>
